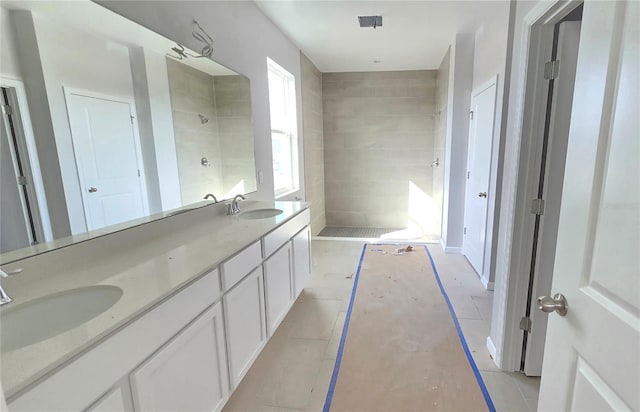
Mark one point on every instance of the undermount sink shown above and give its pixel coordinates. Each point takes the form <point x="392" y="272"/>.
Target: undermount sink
<point x="260" y="213"/>
<point x="51" y="315"/>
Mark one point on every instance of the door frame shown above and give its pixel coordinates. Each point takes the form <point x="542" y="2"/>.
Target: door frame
<point x="521" y="176"/>
<point x="27" y="146"/>
<point x="68" y="91"/>
<point x="484" y="275"/>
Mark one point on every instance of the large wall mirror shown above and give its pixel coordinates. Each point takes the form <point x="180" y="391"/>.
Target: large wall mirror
<point x="106" y="125"/>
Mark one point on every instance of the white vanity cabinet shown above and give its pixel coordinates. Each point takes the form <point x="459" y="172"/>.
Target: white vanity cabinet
<point x="176" y="337"/>
<point x="190" y="349"/>
<point x="116" y="399"/>
<point x="278" y="271"/>
<point x="189" y="373"/>
<point x="245" y="324"/>
<point x="301" y="260"/>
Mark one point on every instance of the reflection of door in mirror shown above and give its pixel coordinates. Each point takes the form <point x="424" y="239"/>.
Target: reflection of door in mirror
<point x="107" y="154"/>
<point x="16" y="231"/>
<point x="19" y="211"/>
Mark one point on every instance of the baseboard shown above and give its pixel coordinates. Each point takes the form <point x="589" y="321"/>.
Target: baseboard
<point x="485" y="282"/>
<point x="492" y="350"/>
<point x="450" y="249"/>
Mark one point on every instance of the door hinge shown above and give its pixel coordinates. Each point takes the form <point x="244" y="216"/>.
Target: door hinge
<point x="464" y="231"/>
<point x="471" y="115"/>
<point x="551" y="69"/>
<point x="7" y="109"/>
<point x="468" y="174"/>
<point x="139" y="173"/>
<point x="537" y="207"/>
<point x="22" y="181"/>
<point x="525" y="324"/>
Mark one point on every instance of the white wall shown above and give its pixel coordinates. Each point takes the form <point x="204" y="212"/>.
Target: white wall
<point x="8" y="57"/>
<point x="457" y="138"/>
<point x="490" y="57"/>
<point x="243" y="39"/>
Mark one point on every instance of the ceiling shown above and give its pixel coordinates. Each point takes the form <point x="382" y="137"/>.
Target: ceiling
<point x="415" y="34"/>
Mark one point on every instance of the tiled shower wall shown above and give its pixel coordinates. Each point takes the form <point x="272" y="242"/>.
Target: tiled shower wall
<point x="313" y="142"/>
<point x="235" y="126"/>
<point x="192" y="94"/>
<point x="440" y="130"/>
<point x="378" y="146"/>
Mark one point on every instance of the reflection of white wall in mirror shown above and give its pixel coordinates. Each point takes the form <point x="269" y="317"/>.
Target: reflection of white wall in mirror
<point x="8" y="57"/>
<point x="155" y="120"/>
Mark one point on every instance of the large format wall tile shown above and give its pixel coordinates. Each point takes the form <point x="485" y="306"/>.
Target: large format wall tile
<point x="378" y="146"/>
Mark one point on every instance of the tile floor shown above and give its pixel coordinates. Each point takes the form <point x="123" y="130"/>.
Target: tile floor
<point x="293" y="371"/>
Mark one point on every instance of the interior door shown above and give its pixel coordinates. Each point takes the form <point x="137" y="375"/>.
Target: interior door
<point x="14" y="218"/>
<point x="591" y="359"/>
<point x="483" y="105"/>
<point x="106" y="155"/>
<point x="551" y="191"/>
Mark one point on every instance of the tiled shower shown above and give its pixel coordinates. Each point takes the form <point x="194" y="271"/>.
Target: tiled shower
<point x="381" y="134"/>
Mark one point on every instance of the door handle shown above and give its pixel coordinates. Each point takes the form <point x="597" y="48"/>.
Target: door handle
<point x="93" y="189"/>
<point x="482" y="194"/>
<point x="557" y="303"/>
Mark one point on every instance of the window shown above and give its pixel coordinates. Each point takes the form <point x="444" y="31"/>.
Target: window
<point x="284" y="137"/>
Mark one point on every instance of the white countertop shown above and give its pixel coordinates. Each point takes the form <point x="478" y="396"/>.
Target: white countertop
<point x="149" y="263"/>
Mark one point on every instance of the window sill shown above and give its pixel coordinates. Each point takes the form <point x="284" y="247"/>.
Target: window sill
<point x="281" y="196"/>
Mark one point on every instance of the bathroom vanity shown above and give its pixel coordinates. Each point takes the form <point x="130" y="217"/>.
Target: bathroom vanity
<point x="188" y="302"/>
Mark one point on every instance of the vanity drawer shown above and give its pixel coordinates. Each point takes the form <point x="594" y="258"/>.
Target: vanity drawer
<point x="284" y="233"/>
<point x="236" y="268"/>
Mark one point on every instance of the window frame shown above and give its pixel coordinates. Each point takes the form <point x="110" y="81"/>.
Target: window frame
<point x="290" y="110"/>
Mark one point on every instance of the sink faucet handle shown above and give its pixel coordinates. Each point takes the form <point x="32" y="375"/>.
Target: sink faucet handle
<point x="234" y="206"/>
<point x="4" y="274"/>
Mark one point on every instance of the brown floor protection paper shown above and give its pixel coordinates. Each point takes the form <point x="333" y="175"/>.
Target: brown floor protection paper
<point x="402" y="351"/>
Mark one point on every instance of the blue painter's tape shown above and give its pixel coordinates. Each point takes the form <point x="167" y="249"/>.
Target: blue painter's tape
<point x="476" y="372"/>
<point x="343" y="338"/>
<point x="336" y="368"/>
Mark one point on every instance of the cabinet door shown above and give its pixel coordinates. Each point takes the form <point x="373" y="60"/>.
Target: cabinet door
<point x="189" y="373"/>
<point x="277" y="279"/>
<point x="301" y="260"/>
<point x="116" y="400"/>
<point x="245" y="324"/>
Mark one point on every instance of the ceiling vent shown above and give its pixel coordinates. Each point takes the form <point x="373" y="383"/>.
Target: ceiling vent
<point x="370" y="21"/>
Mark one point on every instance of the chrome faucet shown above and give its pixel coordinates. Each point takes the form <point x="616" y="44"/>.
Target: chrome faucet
<point x="234" y="206"/>
<point x="4" y="298"/>
<point x="209" y="195"/>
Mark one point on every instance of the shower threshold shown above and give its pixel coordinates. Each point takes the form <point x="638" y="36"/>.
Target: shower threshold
<point x="359" y="232"/>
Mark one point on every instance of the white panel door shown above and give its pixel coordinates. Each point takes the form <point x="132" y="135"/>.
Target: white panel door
<point x="245" y="324"/>
<point x="107" y="158"/>
<point x="187" y="374"/>
<point x="483" y="107"/>
<point x="277" y="279"/>
<point x="592" y="356"/>
<point x="301" y="260"/>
